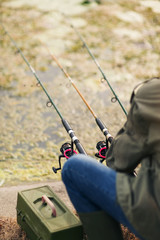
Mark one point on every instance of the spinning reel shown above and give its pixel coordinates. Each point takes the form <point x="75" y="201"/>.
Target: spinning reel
<point x="102" y="147"/>
<point x="67" y="151"/>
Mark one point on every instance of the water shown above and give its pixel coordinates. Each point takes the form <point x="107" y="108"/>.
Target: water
<point x="31" y="134"/>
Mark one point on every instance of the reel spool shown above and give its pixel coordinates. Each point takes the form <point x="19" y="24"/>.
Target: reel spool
<point x="102" y="147"/>
<point x="67" y="151"/>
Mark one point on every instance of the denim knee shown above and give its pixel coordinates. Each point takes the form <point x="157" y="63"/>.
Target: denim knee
<point x="73" y="163"/>
<point x="67" y="166"/>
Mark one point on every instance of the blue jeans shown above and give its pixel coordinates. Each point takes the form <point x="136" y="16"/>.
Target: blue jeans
<point x="91" y="186"/>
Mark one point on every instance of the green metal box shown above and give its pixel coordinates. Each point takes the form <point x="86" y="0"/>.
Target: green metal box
<point x="36" y="216"/>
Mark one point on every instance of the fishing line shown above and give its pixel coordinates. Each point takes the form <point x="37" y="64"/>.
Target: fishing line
<point x="66" y="125"/>
<point x="95" y="61"/>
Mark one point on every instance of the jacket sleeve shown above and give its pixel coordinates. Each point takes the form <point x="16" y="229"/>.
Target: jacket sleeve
<point x="125" y="152"/>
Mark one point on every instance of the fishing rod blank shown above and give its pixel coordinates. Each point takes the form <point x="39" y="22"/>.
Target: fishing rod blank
<point x="66" y="150"/>
<point x="96" y="62"/>
<point x="98" y="120"/>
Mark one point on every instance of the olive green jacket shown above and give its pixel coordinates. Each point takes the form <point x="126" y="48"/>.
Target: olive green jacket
<point x="138" y="142"/>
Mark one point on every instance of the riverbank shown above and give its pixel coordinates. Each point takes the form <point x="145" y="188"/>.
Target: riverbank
<point x="124" y="37"/>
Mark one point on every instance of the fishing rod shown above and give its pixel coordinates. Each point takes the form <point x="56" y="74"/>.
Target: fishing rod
<point x="102" y="146"/>
<point x="67" y="149"/>
<point x="115" y="98"/>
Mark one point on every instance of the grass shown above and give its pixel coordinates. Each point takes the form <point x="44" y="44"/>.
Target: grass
<point x="128" y="53"/>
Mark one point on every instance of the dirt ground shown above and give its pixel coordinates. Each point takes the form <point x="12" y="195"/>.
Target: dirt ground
<point x="10" y="230"/>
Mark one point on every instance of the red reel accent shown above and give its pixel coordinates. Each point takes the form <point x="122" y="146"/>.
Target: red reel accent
<point x="68" y="150"/>
<point x="101" y="151"/>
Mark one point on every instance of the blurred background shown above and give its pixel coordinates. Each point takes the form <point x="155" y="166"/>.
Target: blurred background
<point x="124" y="36"/>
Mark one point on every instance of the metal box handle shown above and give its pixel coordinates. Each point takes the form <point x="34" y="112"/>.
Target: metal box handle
<point x="46" y="200"/>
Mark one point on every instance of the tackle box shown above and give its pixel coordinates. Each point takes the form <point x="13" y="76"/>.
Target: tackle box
<point x="43" y="216"/>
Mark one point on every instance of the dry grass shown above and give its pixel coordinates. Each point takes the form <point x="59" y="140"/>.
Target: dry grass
<point x="10" y="230"/>
<point x="127" y="235"/>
